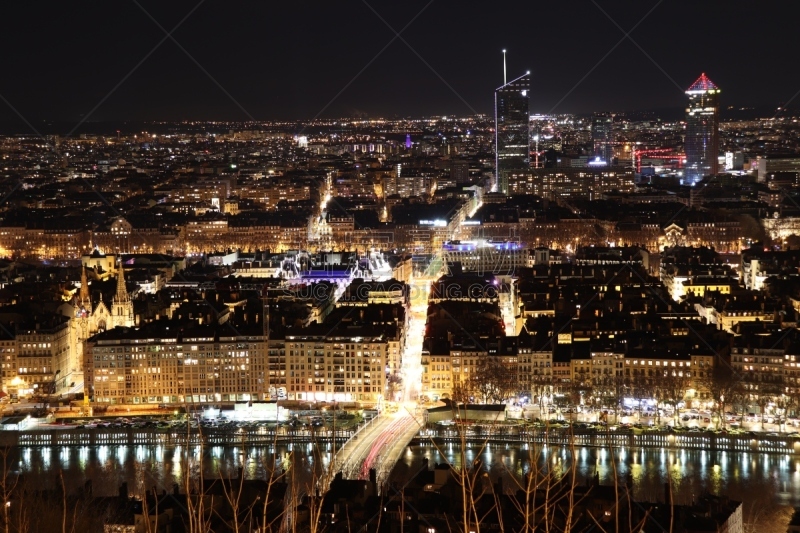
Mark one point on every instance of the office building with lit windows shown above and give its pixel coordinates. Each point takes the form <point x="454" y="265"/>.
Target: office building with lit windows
<point x="512" y="128"/>
<point x="555" y="183"/>
<point x="601" y="137"/>
<point x="702" y="130"/>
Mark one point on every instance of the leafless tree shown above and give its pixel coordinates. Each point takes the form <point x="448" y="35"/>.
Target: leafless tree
<point x="670" y="389"/>
<point x="609" y="391"/>
<point x="763" y="401"/>
<point x="725" y="388"/>
<point x="8" y="486"/>
<point x="492" y="381"/>
<point x="460" y="393"/>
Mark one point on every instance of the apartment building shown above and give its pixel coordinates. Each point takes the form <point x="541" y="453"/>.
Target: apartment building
<point x="37" y="357"/>
<point x="438" y="377"/>
<point x="344" y="366"/>
<point x="761" y="360"/>
<point x="167" y="362"/>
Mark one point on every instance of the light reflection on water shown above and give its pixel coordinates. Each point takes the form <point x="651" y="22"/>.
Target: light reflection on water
<point x="740" y="475"/>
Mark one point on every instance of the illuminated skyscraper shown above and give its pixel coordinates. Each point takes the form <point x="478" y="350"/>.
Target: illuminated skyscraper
<point x="702" y="130"/>
<point x="601" y="137"/>
<point x="512" y="128"/>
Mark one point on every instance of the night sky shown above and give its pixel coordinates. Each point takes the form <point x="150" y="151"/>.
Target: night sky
<point x="288" y="60"/>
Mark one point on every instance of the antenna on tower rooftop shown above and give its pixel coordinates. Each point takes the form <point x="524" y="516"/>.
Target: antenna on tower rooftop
<point x="504" y="66"/>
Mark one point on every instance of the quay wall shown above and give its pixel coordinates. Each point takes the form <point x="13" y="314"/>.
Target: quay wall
<point x="260" y="437"/>
<point x="151" y="437"/>
<point x="651" y="439"/>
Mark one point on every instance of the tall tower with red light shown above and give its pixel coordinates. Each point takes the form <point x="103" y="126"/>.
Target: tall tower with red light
<point x="701" y="142"/>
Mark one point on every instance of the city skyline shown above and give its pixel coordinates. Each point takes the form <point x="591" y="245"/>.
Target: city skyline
<point x="337" y="66"/>
<point x="308" y="242"/>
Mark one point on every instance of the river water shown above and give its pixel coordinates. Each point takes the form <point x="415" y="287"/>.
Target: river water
<point x="768" y="484"/>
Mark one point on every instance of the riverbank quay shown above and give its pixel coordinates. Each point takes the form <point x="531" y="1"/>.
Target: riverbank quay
<point x="258" y="436"/>
<point x="621" y="438"/>
<point x="264" y="435"/>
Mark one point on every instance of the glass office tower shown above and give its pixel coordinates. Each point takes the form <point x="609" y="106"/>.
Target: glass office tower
<point x="702" y="130"/>
<point x="602" y="124"/>
<point x="512" y="128"/>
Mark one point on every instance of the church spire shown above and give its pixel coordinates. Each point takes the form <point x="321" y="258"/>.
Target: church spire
<point x="122" y="291"/>
<point x="84" y="293"/>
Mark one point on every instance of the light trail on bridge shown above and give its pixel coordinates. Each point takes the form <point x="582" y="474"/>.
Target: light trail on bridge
<point x="379" y="444"/>
<point x="390" y="434"/>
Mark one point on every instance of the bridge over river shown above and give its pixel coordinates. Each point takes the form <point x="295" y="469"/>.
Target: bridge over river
<point x="379" y="444"/>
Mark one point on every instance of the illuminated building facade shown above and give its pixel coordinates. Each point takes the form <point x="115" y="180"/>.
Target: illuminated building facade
<point x="37" y="357"/>
<point x="601" y="137"/>
<point x="172" y="365"/>
<point x="486" y="256"/>
<point x="342" y="367"/>
<point x="555" y="183"/>
<point x="702" y="130"/>
<point x="512" y="127"/>
<point x="91" y="318"/>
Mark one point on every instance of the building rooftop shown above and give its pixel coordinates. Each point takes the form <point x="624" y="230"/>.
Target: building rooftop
<point x="702" y="84"/>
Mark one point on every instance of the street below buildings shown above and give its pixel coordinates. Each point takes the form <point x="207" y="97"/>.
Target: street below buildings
<point x="690" y="419"/>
